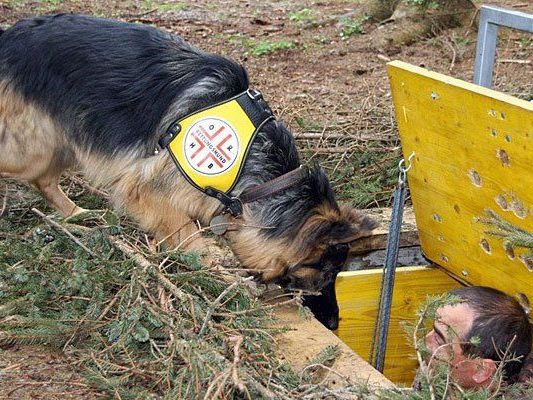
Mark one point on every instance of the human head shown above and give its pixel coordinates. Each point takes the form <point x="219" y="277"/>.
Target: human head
<point x="496" y="320"/>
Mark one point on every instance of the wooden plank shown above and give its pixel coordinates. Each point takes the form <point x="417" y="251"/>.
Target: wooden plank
<point x="473" y="151"/>
<point x="369" y="252"/>
<point x="378" y="239"/>
<point x="407" y="257"/>
<point x="357" y="295"/>
<point x="305" y="338"/>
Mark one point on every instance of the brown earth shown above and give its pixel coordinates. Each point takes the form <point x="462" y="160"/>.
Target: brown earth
<point x="324" y="83"/>
<point x="37" y="372"/>
<point x="332" y="86"/>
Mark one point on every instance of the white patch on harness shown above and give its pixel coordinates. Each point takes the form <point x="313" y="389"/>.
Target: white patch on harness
<point x="211" y="146"/>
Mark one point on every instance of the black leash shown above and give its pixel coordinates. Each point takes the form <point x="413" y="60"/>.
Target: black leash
<point x="378" y="346"/>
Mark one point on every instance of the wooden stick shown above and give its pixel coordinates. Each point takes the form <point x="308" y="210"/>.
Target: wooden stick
<point x="236" y="360"/>
<point x="507" y="60"/>
<point x="65" y="231"/>
<point x="144" y="263"/>
<point x="90" y="188"/>
<point x="4" y="203"/>
<point x="218" y="300"/>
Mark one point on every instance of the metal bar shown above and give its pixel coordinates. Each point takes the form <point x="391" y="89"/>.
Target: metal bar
<point x="489" y="20"/>
<point x="485" y="51"/>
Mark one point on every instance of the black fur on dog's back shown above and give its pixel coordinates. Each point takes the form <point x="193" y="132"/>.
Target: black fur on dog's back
<point x="109" y="83"/>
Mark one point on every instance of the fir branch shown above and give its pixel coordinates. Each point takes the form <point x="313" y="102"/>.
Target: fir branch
<point x="64" y="230"/>
<point x="512" y="235"/>
<point x="218" y="301"/>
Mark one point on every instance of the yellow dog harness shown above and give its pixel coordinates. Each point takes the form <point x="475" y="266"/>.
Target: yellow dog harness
<point x="210" y="146"/>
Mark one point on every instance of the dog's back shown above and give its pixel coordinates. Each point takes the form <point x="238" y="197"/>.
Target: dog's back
<point x="108" y="83"/>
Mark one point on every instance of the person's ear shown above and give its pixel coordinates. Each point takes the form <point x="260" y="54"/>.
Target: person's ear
<point x="485" y="370"/>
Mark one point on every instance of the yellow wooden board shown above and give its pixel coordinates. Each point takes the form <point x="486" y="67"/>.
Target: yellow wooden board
<point x="473" y="151"/>
<point x="358" y="294"/>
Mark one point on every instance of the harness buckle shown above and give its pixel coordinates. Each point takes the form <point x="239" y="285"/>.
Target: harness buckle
<point x="171" y="133"/>
<point x="232" y="204"/>
<point x="254" y="94"/>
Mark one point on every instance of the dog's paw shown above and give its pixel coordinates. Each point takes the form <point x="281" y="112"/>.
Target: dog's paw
<point x="82" y="214"/>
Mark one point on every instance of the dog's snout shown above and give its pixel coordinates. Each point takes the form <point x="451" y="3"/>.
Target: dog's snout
<point x="333" y="322"/>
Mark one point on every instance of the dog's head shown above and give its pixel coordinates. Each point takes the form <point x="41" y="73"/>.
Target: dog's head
<point x="327" y="237"/>
<point x="301" y="239"/>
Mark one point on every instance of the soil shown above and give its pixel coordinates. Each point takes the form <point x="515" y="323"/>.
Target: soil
<point x="321" y="81"/>
<point x="37" y="372"/>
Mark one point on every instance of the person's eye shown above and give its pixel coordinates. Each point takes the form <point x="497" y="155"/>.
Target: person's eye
<point x="438" y="339"/>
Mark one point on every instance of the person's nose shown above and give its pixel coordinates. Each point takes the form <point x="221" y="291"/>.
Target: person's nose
<point x="430" y="341"/>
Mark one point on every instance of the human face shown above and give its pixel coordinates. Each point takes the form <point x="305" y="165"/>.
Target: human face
<point x="451" y="327"/>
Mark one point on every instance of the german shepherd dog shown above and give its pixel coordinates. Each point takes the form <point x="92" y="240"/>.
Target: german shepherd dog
<point x="99" y="94"/>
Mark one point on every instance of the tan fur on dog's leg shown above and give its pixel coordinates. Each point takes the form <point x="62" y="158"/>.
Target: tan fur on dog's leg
<point x="174" y="230"/>
<point x="33" y="148"/>
<point x="156" y="214"/>
<point x="49" y="187"/>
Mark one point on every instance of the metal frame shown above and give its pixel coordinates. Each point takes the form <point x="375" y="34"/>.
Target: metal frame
<point x="489" y="20"/>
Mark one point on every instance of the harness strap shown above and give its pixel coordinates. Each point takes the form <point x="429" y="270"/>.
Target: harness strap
<point x="274" y="186"/>
<point x="254" y="193"/>
<point x="255" y="106"/>
<point x="257" y="112"/>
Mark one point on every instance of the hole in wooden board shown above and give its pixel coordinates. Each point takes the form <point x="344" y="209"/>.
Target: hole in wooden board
<point x="500" y="200"/>
<point x="437" y="217"/>
<point x="504" y="157"/>
<point x="518" y="208"/>
<point x="509" y="249"/>
<point x="457" y="209"/>
<point x="485" y="246"/>
<point x="475" y="178"/>
<point x="528" y="262"/>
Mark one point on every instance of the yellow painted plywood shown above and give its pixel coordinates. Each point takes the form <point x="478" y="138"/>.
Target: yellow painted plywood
<point x="358" y="294"/>
<point x="473" y="151"/>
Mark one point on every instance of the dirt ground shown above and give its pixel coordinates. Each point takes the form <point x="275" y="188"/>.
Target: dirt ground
<point x="36" y="372"/>
<point x="318" y="72"/>
<point x="319" y="75"/>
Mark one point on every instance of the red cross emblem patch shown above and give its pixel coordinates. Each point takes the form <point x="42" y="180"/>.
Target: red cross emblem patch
<point x="211" y="146"/>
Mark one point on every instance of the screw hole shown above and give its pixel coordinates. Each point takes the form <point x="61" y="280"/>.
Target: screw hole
<point x="437" y="217"/>
<point x="500" y="200"/>
<point x="504" y="157"/>
<point x="485" y="246"/>
<point x="475" y="178"/>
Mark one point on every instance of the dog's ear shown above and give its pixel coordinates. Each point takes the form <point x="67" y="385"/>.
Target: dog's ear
<point x="353" y="225"/>
<point x="331" y="226"/>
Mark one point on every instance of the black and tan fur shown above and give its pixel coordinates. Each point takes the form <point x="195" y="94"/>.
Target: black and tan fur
<point x="98" y="94"/>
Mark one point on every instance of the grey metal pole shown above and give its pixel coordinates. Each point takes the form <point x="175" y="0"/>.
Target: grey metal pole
<point x="490" y="19"/>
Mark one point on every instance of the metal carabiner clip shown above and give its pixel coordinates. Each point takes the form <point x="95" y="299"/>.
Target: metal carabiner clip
<point x="402" y="176"/>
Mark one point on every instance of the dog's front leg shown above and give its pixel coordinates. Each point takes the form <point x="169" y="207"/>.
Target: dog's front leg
<point x="49" y="187"/>
<point x="155" y="213"/>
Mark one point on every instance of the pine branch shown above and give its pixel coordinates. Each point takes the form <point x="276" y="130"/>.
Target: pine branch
<point x="513" y="236"/>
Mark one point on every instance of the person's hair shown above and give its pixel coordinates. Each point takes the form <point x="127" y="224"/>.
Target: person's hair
<point x="501" y="324"/>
